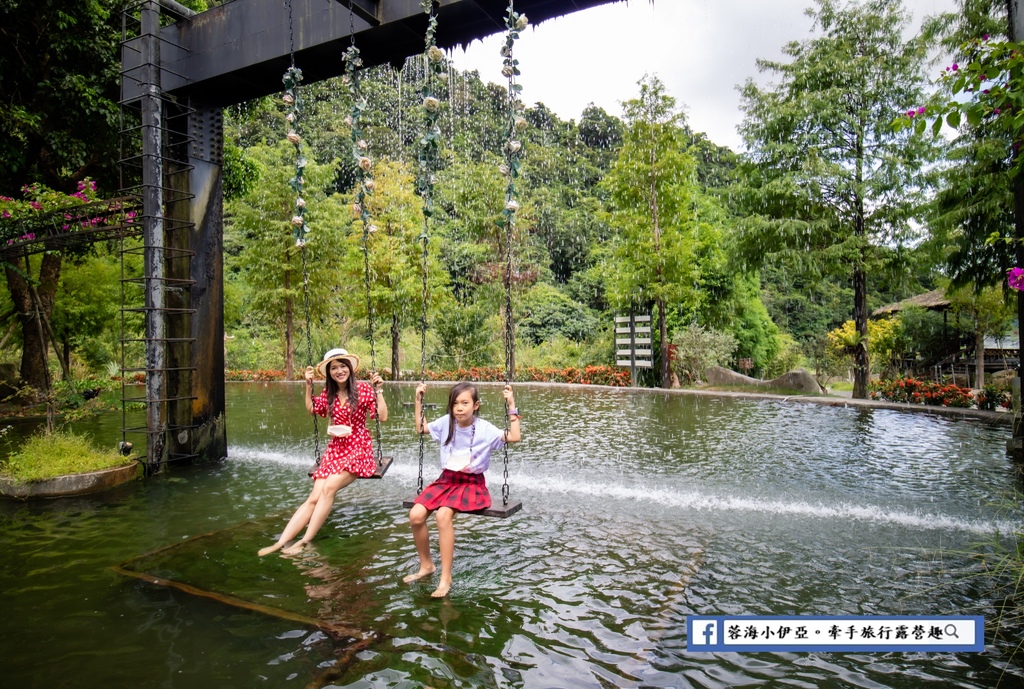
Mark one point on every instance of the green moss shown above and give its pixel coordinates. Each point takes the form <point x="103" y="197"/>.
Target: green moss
<point x="45" y="456"/>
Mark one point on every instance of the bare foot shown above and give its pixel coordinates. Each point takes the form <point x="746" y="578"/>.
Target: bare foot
<point x="419" y="575"/>
<point x="295" y="548"/>
<point x="270" y="549"/>
<point x="442" y="590"/>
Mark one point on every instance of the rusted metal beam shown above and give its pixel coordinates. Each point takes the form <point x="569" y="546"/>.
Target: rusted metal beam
<point x="238" y="51"/>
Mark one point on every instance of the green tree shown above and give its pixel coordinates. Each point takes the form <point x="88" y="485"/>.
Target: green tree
<point x="258" y="235"/>
<point x="829" y="177"/>
<point x="395" y="256"/>
<point x="651" y="198"/>
<point x="974" y="202"/>
<point x="59" y="63"/>
<point x="985" y="312"/>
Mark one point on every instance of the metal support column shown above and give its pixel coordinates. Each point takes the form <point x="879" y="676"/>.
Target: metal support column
<point x="152" y="218"/>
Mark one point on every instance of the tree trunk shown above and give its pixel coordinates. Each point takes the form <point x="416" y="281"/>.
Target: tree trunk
<point x="33" y="354"/>
<point x="289" y="345"/>
<point x="395" y="342"/>
<point x="666" y="376"/>
<point x="861" y="366"/>
<point x="979" y="358"/>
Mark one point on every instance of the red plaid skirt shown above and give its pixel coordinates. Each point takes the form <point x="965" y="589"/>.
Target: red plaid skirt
<point x="456" y="489"/>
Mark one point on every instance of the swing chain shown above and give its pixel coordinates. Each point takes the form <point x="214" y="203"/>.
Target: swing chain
<point x="309" y="346"/>
<point x="292" y="99"/>
<point x="515" y="23"/>
<point x="373" y="355"/>
<point x="364" y="188"/>
<point x="430" y="143"/>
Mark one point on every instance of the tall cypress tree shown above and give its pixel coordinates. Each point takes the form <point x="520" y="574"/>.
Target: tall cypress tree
<point x="830" y="180"/>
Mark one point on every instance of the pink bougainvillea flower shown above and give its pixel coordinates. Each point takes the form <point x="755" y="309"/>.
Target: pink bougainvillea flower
<point x="955" y="67"/>
<point x="1015" y="278"/>
<point x="911" y="113"/>
<point x="921" y="110"/>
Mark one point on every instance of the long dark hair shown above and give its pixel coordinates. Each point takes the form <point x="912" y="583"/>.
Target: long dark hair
<point x="333" y="390"/>
<point x="457" y="390"/>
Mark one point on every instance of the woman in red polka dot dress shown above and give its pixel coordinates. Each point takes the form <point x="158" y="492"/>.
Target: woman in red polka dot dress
<point x="349" y="454"/>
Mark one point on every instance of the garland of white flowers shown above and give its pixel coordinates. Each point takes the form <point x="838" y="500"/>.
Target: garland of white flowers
<point x="360" y="148"/>
<point x="429" y="152"/>
<point x="292" y="78"/>
<point x="513" y="151"/>
<point x="364" y="188"/>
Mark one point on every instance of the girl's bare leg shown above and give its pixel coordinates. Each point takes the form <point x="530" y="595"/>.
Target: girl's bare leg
<point x="331" y="485"/>
<point x="421" y="537"/>
<point x="298" y="520"/>
<point x="446" y="543"/>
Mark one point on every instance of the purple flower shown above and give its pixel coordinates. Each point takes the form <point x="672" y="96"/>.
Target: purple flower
<point x="955" y="67"/>
<point x="1015" y="278"/>
<point x="995" y="111"/>
<point x="7" y="214"/>
<point x="920" y="110"/>
<point x="984" y="37"/>
<point x="911" y="113"/>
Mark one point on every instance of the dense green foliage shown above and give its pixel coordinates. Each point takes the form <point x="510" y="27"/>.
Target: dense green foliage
<point x="47" y="455"/>
<point x="831" y="212"/>
<point x="830" y="179"/>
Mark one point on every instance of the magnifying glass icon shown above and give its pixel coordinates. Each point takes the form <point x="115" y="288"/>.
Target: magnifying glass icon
<point x="950" y="630"/>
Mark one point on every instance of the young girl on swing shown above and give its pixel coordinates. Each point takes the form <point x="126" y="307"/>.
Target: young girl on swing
<point x="349" y="454"/>
<point x="466" y="446"/>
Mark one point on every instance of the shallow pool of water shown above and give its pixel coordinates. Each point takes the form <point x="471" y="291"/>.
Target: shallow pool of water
<point x="640" y="508"/>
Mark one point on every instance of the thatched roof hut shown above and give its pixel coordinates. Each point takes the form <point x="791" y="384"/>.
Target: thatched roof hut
<point x="935" y="300"/>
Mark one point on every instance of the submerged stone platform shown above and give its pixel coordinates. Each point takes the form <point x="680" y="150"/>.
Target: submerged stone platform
<point x="309" y="588"/>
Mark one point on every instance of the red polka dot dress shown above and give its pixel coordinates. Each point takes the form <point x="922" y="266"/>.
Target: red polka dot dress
<point x="354" y="452"/>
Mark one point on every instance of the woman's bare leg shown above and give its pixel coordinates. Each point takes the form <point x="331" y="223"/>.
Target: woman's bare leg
<point x="421" y="537"/>
<point x="331" y="485"/>
<point x="298" y="520"/>
<point x="446" y="543"/>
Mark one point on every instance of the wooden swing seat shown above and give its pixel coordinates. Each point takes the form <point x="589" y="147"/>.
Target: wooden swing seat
<point x="501" y="511"/>
<point x="382" y="468"/>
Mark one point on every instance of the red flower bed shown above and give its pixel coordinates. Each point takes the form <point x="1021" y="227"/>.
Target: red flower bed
<point x="912" y="391"/>
<point x="589" y="375"/>
<point x="254" y="375"/>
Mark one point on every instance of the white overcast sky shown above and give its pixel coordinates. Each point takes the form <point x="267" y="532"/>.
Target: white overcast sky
<point x="700" y="49"/>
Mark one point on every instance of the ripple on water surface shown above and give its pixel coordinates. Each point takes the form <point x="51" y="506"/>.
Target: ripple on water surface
<point x="639" y="510"/>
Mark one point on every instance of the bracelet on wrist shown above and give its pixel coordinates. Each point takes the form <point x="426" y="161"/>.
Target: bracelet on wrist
<point x="513" y="412"/>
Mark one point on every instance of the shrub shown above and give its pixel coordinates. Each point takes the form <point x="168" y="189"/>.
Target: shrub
<point x="697" y="349"/>
<point x="912" y="391"/>
<point x="47" y="455"/>
<point x="548" y="313"/>
<point x="992" y="397"/>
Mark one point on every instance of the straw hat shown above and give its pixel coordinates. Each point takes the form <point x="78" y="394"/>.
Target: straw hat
<point x="333" y="355"/>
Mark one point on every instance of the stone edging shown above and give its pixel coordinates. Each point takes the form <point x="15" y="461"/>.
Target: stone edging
<point x="69" y="484"/>
<point x="826" y="400"/>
